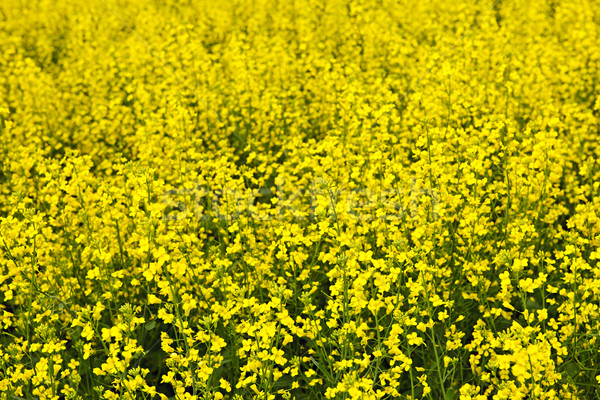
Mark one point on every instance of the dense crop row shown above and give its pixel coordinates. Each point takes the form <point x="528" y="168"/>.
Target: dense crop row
<point x="277" y="199"/>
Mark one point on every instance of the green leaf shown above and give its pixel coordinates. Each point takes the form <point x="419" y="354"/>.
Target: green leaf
<point x="150" y="325"/>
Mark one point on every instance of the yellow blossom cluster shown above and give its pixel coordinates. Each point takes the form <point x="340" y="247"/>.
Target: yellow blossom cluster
<point x="299" y="199"/>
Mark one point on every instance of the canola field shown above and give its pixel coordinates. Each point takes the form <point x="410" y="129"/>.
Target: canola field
<point x="299" y="199"/>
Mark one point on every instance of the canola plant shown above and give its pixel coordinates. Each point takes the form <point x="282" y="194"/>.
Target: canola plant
<point x="299" y="199"/>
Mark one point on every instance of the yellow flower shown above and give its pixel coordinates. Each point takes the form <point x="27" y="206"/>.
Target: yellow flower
<point x="414" y="339"/>
<point x="165" y="316"/>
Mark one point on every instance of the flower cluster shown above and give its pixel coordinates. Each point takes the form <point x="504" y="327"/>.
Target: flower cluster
<point x="307" y="199"/>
